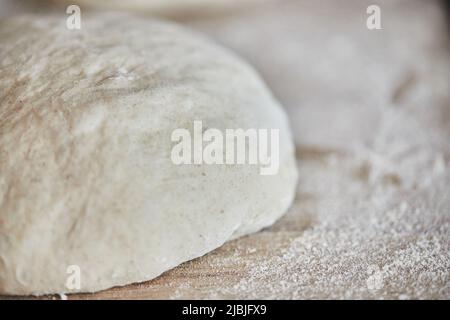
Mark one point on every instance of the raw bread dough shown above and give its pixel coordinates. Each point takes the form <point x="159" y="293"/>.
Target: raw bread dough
<point x="86" y="177"/>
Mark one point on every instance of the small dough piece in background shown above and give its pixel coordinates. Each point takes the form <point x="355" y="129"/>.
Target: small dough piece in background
<point x="370" y="113"/>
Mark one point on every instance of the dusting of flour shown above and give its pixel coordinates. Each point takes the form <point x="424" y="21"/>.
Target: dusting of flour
<point x="344" y="238"/>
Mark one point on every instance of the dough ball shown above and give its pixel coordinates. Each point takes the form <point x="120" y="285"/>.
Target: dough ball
<point x="86" y="176"/>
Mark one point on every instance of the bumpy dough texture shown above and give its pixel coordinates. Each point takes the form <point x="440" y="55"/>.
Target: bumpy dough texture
<point x="85" y="172"/>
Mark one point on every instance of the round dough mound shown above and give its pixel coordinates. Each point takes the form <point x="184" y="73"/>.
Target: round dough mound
<point x="86" y="177"/>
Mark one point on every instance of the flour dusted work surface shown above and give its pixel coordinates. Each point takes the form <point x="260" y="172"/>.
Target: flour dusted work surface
<point x="86" y="174"/>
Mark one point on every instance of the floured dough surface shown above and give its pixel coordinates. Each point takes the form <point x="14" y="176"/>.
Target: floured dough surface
<point x="86" y="177"/>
